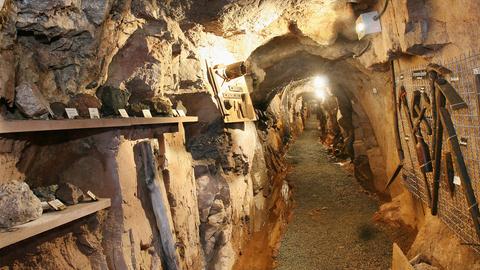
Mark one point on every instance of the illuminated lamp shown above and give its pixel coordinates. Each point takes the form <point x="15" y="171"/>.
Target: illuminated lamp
<point x="368" y="23"/>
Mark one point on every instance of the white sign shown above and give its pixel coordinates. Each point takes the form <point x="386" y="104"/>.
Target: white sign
<point x="71" y="113"/>
<point x="147" y="114"/>
<point x="476" y="71"/>
<point x="181" y="112"/>
<point x="123" y="113"/>
<point x="457" y="181"/>
<point x="94" y="114"/>
<point x="57" y="205"/>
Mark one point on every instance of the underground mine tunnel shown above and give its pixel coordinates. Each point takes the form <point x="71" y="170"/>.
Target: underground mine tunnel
<point x="245" y="135"/>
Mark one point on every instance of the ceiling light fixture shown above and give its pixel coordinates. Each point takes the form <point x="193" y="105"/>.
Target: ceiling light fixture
<point x="368" y="23"/>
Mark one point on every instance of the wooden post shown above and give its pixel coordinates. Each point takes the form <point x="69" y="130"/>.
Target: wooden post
<point x="160" y="204"/>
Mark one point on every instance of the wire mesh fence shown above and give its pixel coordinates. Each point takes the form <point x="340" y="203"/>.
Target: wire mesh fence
<point x="453" y="209"/>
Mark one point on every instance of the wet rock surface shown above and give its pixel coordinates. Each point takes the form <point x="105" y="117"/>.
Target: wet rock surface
<point x="18" y="204"/>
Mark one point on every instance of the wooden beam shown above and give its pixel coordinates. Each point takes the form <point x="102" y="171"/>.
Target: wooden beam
<point x="16" y="126"/>
<point x="160" y="204"/>
<point x="50" y="221"/>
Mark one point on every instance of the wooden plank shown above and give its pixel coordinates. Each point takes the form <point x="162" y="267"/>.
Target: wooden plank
<point x="16" y="126"/>
<point x="50" y="221"/>
<point x="399" y="260"/>
<point x="161" y="206"/>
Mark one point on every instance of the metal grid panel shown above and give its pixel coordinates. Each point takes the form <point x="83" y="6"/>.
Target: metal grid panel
<point x="452" y="210"/>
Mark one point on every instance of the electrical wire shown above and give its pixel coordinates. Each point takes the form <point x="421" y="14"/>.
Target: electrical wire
<point x="377" y="17"/>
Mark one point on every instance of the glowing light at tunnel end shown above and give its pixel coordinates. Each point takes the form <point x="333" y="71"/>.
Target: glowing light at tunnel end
<point x="320" y="84"/>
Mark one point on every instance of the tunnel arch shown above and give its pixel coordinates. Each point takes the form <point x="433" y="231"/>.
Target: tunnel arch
<point x="286" y="65"/>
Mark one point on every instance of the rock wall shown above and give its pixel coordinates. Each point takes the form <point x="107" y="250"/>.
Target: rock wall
<point x="224" y="183"/>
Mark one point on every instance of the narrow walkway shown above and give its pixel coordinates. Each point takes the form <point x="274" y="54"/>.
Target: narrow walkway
<point x="332" y="224"/>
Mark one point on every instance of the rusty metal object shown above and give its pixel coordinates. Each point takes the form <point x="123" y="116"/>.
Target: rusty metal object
<point x="454" y="99"/>
<point x="438" y="69"/>
<point x="449" y="173"/>
<point x="420" y="145"/>
<point x="437" y="151"/>
<point x="234" y="71"/>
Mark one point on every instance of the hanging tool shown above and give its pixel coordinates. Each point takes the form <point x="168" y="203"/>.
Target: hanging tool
<point x="437" y="145"/>
<point x="454" y="99"/>
<point x="416" y="105"/>
<point x="462" y="168"/>
<point x="423" y="154"/>
<point x="438" y="69"/>
<point x="449" y="173"/>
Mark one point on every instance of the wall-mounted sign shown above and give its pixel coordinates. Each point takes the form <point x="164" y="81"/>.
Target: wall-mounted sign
<point x="419" y="74"/>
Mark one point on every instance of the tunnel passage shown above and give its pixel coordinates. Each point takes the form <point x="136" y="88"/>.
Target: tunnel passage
<point x="288" y="66"/>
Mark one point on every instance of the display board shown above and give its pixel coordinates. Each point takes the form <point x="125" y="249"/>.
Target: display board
<point x="453" y="206"/>
<point x="231" y="94"/>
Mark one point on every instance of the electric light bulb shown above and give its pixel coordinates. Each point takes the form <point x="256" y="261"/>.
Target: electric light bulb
<point x="360" y="27"/>
<point x="320" y="81"/>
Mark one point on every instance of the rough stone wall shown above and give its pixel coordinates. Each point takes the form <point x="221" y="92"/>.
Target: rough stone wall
<point x="158" y="48"/>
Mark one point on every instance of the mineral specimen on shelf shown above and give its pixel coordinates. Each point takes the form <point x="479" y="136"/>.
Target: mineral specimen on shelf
<point x="162" y="106"/>
<point x="46" y="194"/>
<point x="158" y="106"/>
<point x="58" y="110"/>
<point x="18" y="204"/>
<point x="135" y="109"/>
<point x="82" y="102"/>
<point x="30" y="101"/>
<point x="112" y="99"/>
<point x="69" y="194"/>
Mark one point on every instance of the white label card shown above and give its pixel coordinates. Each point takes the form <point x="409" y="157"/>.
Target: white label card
<point x="94" y="114"/>
<point x="476" y="71"/>
<point x="123" y="113"/>
<point x="57" y="205"/>
<point x="457" y="181"/>
<point x="147" y="114"/>
<point x="181" y="113"/>
<point x="92" y="196"/>
<point x="71" y="113"/>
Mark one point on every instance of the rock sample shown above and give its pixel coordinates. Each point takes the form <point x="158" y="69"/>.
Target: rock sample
<point x="30" y="101"/>
<point x="58" y="110"/>
<point x="69" y="194"/>
<point x="46" y="194"/>
<point x="82" y="102"/>
<point x="18" y="204"/>
<point x="161" y="106"/>
<point x="112" y="99"/>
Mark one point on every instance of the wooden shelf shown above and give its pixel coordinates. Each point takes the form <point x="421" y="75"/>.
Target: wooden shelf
<point x="16" y="126"/>
<point x="50" y="221"/>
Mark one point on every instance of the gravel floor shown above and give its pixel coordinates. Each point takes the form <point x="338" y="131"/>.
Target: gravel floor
<point x="332" y="224"/>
